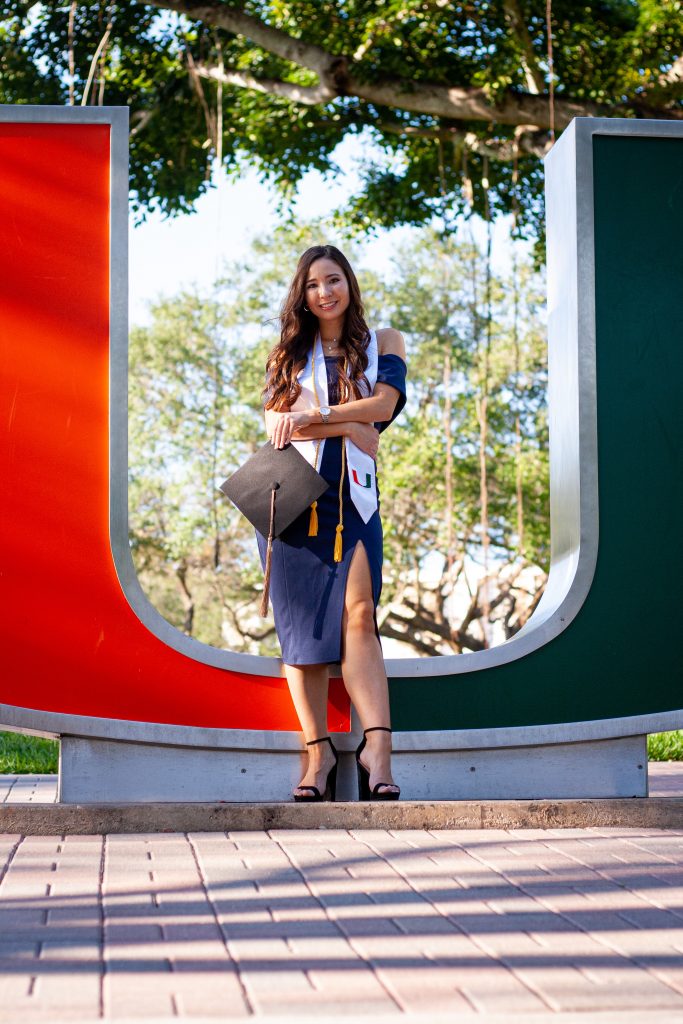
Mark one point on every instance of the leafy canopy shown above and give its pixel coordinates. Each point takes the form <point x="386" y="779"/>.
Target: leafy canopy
<point x="452" y="94"/>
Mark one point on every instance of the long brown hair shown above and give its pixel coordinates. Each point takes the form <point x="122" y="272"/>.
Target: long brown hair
<point x="298" y="328"/>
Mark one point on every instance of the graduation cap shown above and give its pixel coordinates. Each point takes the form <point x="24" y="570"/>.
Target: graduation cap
<point x="271" y="489"/>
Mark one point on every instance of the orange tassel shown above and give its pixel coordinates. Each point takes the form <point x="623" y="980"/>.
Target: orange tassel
<point x="313" y="521"/>
<point x="338" y="543"/>
<point x="340" y="524"/>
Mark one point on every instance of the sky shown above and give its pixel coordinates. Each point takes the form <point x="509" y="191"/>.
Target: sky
<point x="169" y="254"/>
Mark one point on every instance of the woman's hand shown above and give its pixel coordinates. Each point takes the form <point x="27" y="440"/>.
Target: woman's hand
<point x="365" y="436"/>
<point x="281" y="425"/>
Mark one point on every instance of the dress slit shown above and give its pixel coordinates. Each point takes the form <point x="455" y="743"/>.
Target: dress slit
<point x="374" y="593"/>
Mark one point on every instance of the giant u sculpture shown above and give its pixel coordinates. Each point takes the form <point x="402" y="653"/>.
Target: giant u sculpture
<point x="146" y="713"/>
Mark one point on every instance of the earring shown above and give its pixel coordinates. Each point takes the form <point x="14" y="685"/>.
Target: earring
<point x="307" y="309"/>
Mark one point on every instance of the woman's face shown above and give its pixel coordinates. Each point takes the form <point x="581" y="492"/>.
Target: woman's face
<point x="326" y="290"/>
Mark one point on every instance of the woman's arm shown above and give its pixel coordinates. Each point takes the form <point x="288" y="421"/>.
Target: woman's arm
<point x="393" y="350"/>
<point x="364" y="435"/>
<point x="378" y="408"/>
<point x="303" y="424"/>
<point x="375" y="409"/>
<point x="316" y="430"/>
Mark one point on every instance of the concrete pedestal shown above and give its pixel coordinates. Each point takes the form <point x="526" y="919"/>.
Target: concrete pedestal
<point x="114" y="771"/>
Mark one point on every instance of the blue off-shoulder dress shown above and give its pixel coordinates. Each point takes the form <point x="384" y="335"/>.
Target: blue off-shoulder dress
<point x="307" y="587"/>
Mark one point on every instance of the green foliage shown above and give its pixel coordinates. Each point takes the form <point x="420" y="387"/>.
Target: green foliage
<point x="609" y="57"/>
<point x="193" y="418"/>
<point x="195" y="413"/>
<point x="27" y="755"/>
<point x="462" y="349"/>
<point x="665" y="746"/>
<point x="437" y="299"/>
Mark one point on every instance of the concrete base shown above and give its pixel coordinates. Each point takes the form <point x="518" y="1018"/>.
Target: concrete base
<point x="113" y="771"/>
<point x="109" y="819"/>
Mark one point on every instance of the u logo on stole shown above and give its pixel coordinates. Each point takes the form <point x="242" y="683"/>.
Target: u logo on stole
<point x="368" y="479"/>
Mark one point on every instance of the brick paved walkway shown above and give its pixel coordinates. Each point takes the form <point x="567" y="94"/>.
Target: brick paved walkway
<point x="665" y="778"/>
<point x="371" y="924"/>
<point x="568" y="925"/>
<point x="17" y="789"/>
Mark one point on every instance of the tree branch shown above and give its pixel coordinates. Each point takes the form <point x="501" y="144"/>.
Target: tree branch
<point x="407" y="638"/>
<point x="462" y="103"/>
<point x="421" y="623"/>
<point x="535" y="81"/>
<point x="456" y="102"/>
<point x="457" y="639"/>
<point x="536" y="143"/>
<point x="139" y="119"/>
<point x="274" y="40"/>
<point x="308" y="95"/>
<point x="188" y="599"/>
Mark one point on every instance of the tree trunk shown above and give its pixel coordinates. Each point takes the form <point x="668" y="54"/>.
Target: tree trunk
<point x="188" y="600"/>
<point x="483" y="427"/>
<point x="448" y="436"/>
<point x="517" y="390"/>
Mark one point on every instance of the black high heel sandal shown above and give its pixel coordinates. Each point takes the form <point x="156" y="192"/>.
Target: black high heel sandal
<point x="330" y="791"/>
<point x="364" y="791"/>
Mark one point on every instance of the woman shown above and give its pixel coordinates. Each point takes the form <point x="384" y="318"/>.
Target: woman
<point x="328" y="382"/>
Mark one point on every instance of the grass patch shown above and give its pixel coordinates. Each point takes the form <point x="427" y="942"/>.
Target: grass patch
<point x="665" y="746"/>
<point x="27" y="755"/>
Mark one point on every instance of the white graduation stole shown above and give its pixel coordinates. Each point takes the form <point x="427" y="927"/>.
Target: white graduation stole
<point x="361" y="467"/>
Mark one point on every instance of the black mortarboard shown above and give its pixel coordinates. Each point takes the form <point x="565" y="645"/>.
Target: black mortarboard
<point x="271" y="489"/>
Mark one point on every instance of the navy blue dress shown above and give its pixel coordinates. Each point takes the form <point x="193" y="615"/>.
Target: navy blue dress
<point x="307" y="587"/>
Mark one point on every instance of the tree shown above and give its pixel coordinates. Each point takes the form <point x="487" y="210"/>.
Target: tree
<point x="196" y="376"/>
<point x="193" y="418"/>
<point x="457" y="571"/>
<point x="439" y="87"/>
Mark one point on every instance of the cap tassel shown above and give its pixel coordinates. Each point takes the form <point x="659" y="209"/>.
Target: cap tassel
<point x="338" y="543"/>
<point x="313" y="521"/>
<point x="340" y="525"/>
<point x="269" y="552"/>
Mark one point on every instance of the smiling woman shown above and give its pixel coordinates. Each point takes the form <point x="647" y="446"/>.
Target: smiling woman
<point x="331" y="382"/>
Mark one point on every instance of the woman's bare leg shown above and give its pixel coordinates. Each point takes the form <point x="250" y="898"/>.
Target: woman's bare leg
<point x="308" y="685"/>
<point x="363" y="667"/>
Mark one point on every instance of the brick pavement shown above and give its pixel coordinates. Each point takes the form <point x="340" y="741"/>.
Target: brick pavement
<point x="555" y="924"/>
<point x="564" y="925"/>
<point x="16" y="789"/>
<point x="665" y="778"/>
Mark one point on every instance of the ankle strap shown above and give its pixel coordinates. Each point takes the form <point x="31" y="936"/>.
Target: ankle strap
<point x="323" y="739"/>
<point x="376" y="728"/>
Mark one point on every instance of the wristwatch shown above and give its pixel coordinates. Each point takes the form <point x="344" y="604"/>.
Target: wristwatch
<point x="324" y="411"/>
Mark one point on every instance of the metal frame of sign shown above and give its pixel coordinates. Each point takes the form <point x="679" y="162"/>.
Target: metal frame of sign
<point x="573" y="468"/>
